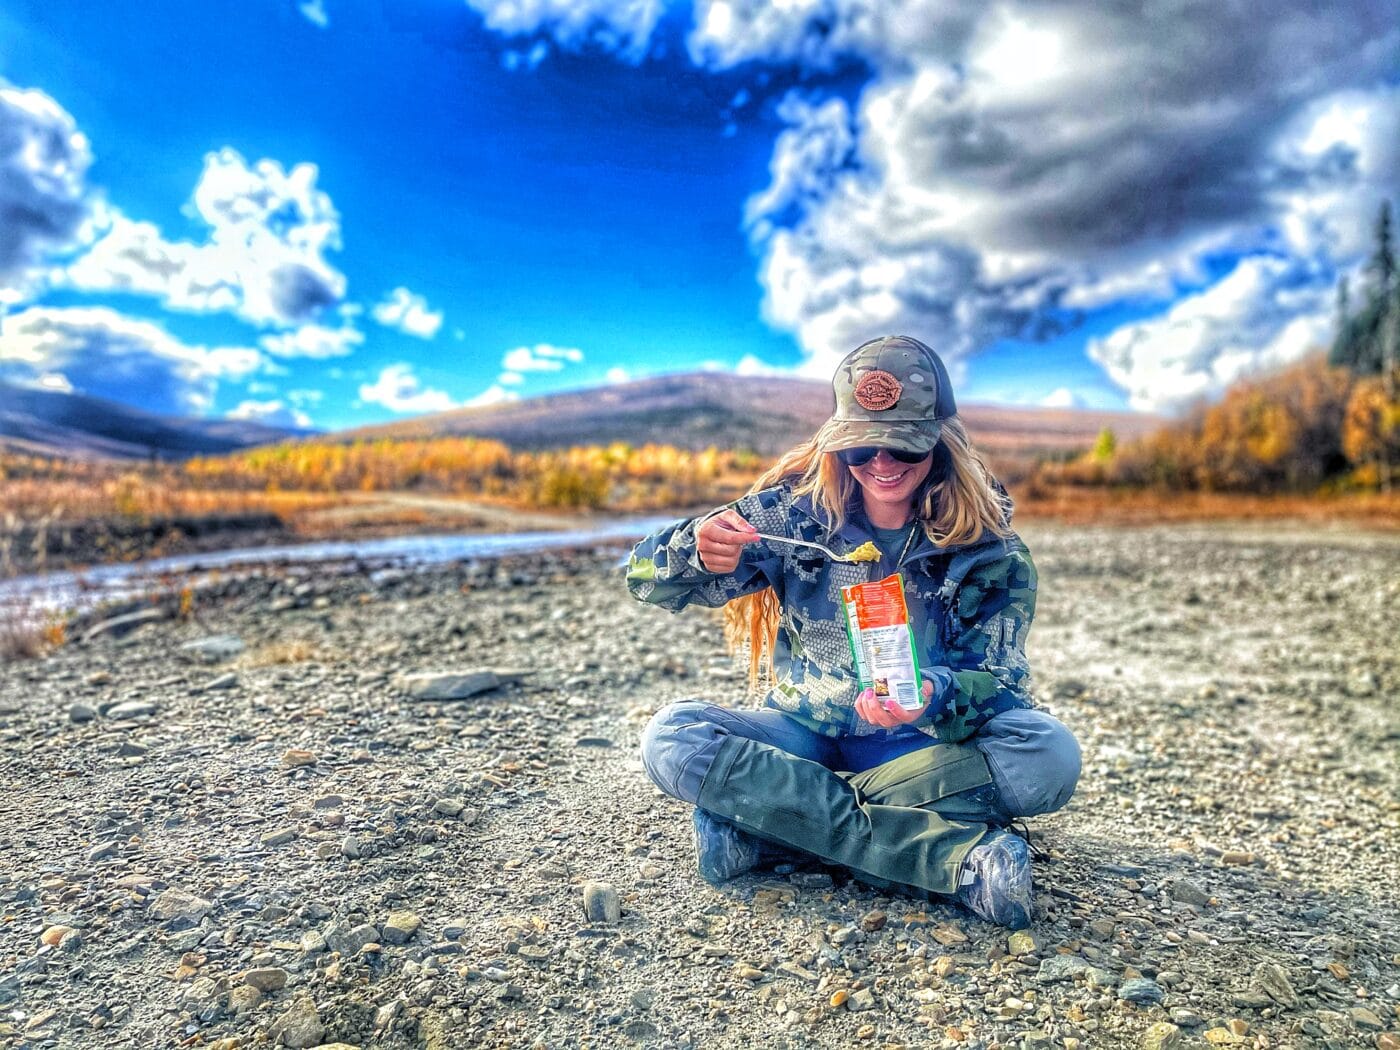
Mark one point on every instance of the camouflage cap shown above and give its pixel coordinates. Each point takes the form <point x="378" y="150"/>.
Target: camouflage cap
<point x="892" y="392"/>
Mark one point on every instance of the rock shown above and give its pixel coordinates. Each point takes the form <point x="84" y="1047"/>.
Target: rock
<point x="1222" y="1037"/>
<point x="349" y="940"/>
<point x="223" y="681"/>
<point x="600" y="902"/>
<point x="278" y="838"/>
<point x="300" y="1027"/>
<point x="80" y="713"/>
<point x="1272" y="980"/>
<point x="1037" y="1039"/>
<point x="1388" y="1041"/>
<point x="1141" y="990"/>
<point x="266" y="979"/>
<point x="102" y="851"/>
<point x="177" y="904"/>
<point x="350" y="848"/>
<point x="1185" y="1017"/>
<point x="448" y="807"/>
<point x="873" y="921"/>
<point x="1188" y="893"/>
<point x="1236" y="857"/>
<point x="312" y="942"/>
<point x="213" y="649"/>
<point x="1252" y="999"/>
<point x="593" y="741"/>
<point x="860" y="1000"/>
<point x="1103" y="928"/>
<point x="454" y="685"/>
<point x="1066" y="968"/>
<point x="244" y="999"/>
<point x="131" y="709"/>
<point x="400" y="927"/>
<point x="1022" y="942"/>
<point x="948" y="934"/>
<point x="120" y="626"/>
<point x="1365" y="1019"/>
<point x="295" y="758"/>
<point x="54" y="934"/>
<point x="1162" y="1036"/>
<point x="801" y="973"/>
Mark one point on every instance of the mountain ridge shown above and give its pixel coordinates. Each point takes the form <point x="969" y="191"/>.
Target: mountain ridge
<point x="57" y="423"/>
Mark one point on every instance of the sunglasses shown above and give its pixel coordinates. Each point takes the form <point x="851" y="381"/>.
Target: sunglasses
<point x="859" y="457"/>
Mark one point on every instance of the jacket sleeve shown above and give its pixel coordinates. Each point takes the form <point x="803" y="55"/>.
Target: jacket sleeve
<point x="665" y="568"/>
<point x="987" y="672"/>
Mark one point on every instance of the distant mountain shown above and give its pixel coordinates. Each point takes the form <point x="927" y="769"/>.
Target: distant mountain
<point x="49" y="422"/>
<point x="768" y="414"/>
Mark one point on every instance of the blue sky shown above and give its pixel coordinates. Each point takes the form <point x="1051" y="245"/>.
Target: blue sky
<point x="339" y="213"/>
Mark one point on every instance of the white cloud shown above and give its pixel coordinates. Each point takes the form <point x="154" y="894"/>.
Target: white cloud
<point x="98" y="351"/>
<point x="510" y="379"/>
<point x="1263" y="315"/>
<point x="991" y="173"/>
<point x="540" y="358"/>
<point x="749" y="365"/>
<point x="264" y="256"/>
<point x="1061" y="397"/>
<point x="43" y="165"/>
<point x="617" y="374"/>
<point x="408" y="313"/>
<point x="399" y="390"/>
<point x="314" y="11"/>
<point x="620" y="26"/>
<point x="313" y="341"/>
<point x="492" y="395"/>
<point x="272" y="413"/>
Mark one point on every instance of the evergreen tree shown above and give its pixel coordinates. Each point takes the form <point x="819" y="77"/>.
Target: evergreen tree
<point x="1383" y="261"/>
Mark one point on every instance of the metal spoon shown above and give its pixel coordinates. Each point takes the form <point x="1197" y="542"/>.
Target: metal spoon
<point x="808" y="543"/>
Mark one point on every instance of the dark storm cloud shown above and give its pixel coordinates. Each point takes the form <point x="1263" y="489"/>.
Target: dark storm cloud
<point x="43" y="159"/>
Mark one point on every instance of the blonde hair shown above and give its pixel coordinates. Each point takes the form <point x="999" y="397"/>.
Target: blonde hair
<point x="957" y="504"/>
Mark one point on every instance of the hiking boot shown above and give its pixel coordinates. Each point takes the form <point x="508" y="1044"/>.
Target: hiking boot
<point x="996" y="881"/>
<point x="722" y="851"/>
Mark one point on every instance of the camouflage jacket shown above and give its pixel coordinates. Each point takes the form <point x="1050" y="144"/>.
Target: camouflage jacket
<point x="970" y="608"/>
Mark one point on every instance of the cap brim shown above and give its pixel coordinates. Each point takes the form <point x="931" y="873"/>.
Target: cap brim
<point x="911" y="436"/>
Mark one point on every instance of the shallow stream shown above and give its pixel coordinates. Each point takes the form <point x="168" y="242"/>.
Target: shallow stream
<point x="77" y="591"/>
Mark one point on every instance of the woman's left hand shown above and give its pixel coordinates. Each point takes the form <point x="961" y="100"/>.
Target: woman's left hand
<point x="887" y="713"/>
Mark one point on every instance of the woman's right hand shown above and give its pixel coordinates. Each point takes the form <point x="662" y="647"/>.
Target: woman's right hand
<point x="721" y="538"/>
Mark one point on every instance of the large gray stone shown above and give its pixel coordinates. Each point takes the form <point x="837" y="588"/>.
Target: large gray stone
<point x="214" y="648"/>
<point x="118" y="626"/>
<point x="300" y="1027"/>
<point x="600" y="902"/>
<point x="454" y="685"/>
<point x="178" y="904"/>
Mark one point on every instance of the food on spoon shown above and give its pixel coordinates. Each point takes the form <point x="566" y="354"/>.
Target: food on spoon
<point x="867" y="551"/>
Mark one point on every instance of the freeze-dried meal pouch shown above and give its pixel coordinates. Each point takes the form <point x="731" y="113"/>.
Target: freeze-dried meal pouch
<point x="882" y="642"/>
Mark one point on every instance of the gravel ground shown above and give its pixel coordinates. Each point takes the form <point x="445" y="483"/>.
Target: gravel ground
<point x="269" y="841"/>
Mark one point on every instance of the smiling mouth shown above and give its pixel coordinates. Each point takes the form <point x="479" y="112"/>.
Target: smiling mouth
<point x="890" y="479"/>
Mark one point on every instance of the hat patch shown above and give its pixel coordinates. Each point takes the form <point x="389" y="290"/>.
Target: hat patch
<point x="878" y="390"/>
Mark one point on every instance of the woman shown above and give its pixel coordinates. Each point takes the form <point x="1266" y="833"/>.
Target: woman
<point x="913" y="799"/>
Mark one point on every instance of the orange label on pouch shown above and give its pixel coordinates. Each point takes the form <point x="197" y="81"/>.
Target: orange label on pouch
<point x="877" y="624"/>
<point x="878" y="604"/>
